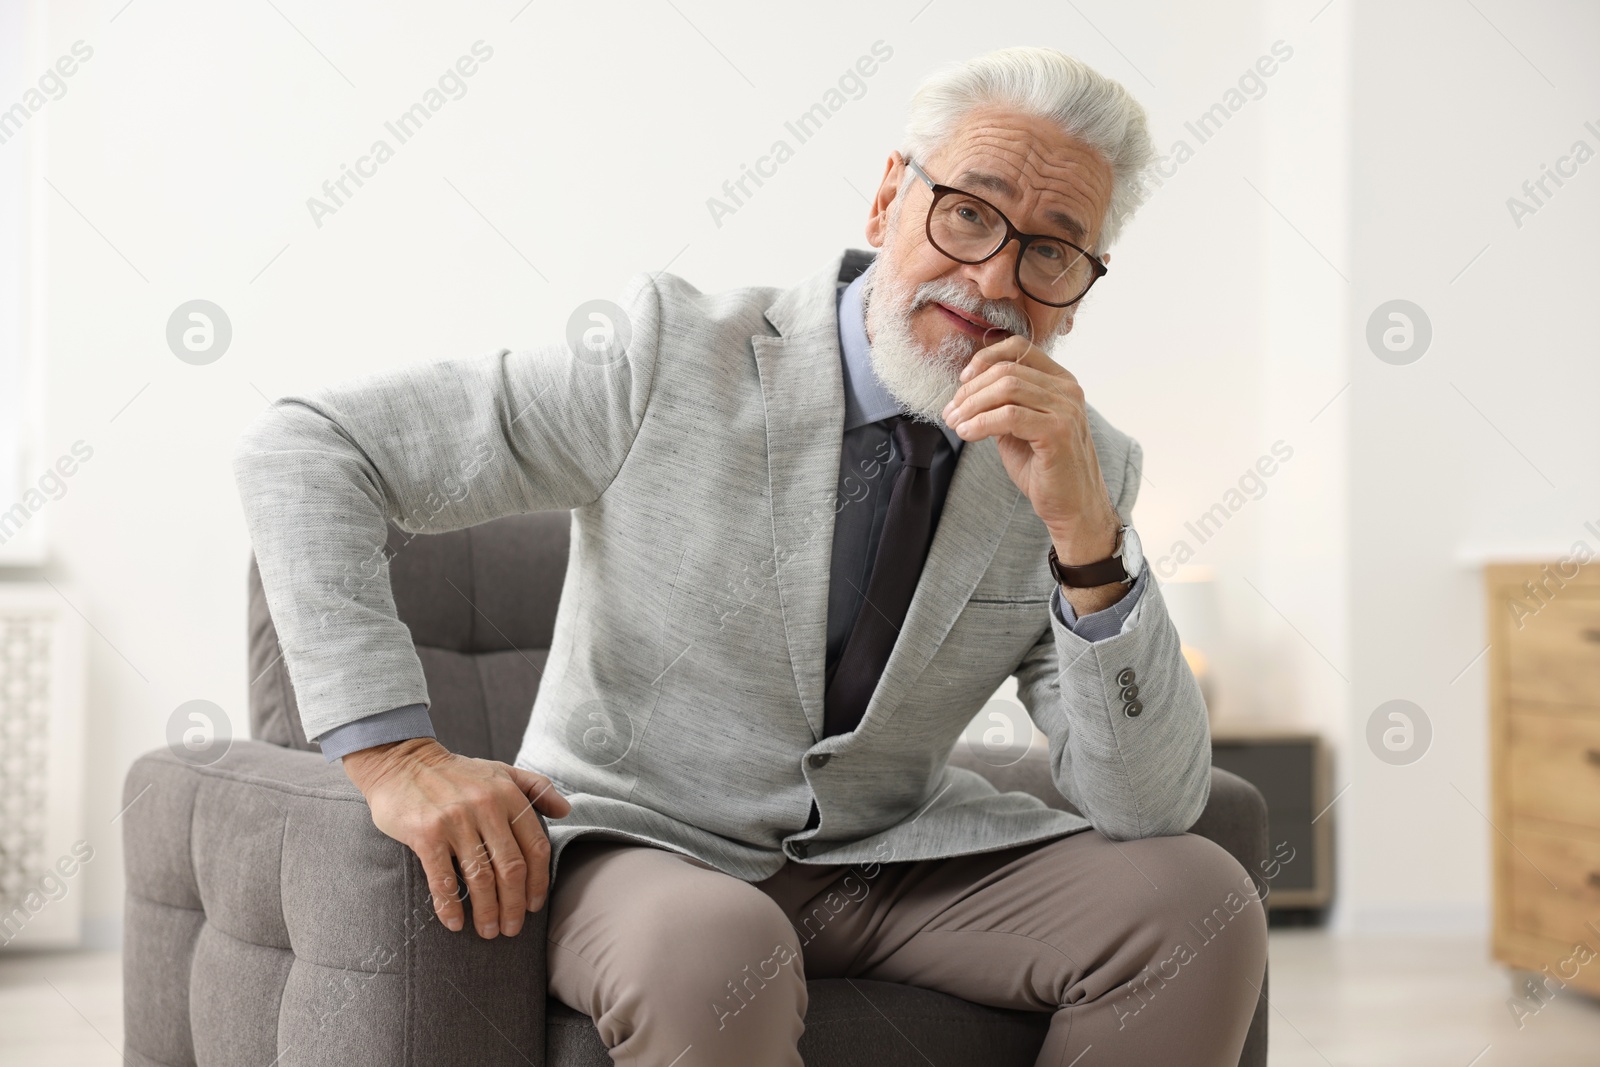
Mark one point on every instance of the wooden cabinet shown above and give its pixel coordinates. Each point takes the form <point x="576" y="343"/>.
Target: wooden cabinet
<point x="1544" y="720"/>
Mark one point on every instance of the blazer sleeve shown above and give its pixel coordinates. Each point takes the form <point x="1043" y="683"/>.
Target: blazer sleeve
<point x="430" y="447"/>
<point x="1141" y="775"/>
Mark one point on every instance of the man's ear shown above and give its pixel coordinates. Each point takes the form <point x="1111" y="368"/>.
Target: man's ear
<point x="888" y="188"/>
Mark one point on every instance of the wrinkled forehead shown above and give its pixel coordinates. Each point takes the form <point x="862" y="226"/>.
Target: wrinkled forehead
<point x="1044" y="179"/>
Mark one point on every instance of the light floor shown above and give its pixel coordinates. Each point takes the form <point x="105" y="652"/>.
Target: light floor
<point x="1337" y="1002"/>
<point x="1414" y="1001"/>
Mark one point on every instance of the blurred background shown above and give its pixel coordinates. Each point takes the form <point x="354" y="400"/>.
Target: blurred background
<point x="1353" y="330"/>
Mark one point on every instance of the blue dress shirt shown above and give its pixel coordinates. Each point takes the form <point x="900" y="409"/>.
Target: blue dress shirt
<point x="868" y="463"/>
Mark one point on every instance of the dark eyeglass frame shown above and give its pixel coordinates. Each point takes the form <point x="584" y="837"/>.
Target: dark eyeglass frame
<point x="1012" y="234"/>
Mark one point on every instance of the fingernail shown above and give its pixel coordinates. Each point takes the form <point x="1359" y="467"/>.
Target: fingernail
<point x="537" y="905"/>
<point x="454" y="924"/>
<point x="491" y="929"/>
<point x="512" y="930"/>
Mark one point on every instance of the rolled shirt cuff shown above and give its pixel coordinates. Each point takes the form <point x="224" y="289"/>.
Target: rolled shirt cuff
<point x="396" y="724"/>
<point x="1107" y="622"/>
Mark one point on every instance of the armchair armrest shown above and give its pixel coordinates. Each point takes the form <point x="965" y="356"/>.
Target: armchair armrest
<point x="269" y="921"/>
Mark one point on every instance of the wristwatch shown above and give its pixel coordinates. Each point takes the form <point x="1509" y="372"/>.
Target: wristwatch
<point x="1123" y="566"/>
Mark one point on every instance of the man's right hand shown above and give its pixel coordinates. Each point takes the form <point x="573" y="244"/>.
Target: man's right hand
<point x="441" y="805"/>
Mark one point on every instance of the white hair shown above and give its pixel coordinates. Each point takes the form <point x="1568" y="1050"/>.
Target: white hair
<point x="1053" y="86"/>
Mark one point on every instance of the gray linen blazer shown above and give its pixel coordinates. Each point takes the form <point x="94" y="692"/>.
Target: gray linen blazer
<point x="682" y="702"/>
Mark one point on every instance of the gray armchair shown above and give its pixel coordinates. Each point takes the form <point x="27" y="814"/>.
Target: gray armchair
<point x="269" y="922"/>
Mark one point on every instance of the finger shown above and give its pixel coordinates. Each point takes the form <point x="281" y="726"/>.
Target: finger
<point x="1008" y="389"/>
<point x="478" y="873"/>
<point x="541" y="791"/>
<point x="1014" y="349"/>
<point x="442" y="884"/>
<point x="1013" y="419"/>
<point x="1008" y="351"/>
<point x="535" y="852"/>
<point x="1001" y="372"/>
<point x="510" y="870"/>
<point x="977" y="370"/>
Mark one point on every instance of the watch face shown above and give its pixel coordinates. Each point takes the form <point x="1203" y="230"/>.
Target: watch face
<point x="1132" y="552"/>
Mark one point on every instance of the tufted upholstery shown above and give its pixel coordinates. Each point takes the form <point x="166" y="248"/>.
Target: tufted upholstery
<point x="269" y="922"/>
<point x="265" y="914"/>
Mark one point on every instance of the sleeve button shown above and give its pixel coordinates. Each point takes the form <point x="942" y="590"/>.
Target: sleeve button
<point x="1125" y="677"/>
<point x="1129" y="692"/>
<point x="819" y="759"/>
<point x="1132" y="709"/>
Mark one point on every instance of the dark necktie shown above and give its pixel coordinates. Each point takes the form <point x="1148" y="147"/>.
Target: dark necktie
<point x="902" y="550"/>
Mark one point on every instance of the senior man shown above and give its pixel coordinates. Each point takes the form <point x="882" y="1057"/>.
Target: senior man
<point x="813" y="530"/>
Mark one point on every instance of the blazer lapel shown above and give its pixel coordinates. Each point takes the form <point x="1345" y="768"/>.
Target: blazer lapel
<point x="802" y="386"/>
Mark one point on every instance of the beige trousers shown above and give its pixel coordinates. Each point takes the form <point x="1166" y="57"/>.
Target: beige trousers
<point x="1147" y="952"/>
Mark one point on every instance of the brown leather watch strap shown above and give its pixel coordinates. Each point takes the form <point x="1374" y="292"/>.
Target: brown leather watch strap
<point x="1088" y="575"/>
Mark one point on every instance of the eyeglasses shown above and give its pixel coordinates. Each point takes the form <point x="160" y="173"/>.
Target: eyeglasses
<point x="969" y="229"/>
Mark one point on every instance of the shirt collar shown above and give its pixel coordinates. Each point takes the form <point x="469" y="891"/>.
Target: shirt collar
<point x="865" y="398"/>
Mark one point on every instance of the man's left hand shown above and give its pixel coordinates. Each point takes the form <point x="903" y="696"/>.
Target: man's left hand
<point x="1035" y="409"/>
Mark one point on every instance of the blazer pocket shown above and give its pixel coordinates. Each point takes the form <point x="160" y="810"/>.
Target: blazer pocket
<point x="1002" y="619"/>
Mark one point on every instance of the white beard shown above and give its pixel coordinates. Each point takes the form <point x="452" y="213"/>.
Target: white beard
<point x="923" y="382"/>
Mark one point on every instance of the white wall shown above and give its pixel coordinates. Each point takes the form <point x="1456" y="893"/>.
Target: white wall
<point x="591" y="141"/>
<point x="1484" y="446"/>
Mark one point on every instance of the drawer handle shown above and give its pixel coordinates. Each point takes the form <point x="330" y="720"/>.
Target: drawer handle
<point x="1591" y="634"/>
<point x="1594" y="879"/>
<point x="1593" y="756"/>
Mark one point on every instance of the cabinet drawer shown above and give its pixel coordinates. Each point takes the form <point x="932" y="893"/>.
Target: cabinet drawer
<point x="1555" y="767"/>
<point x="1554" y="657"/>
<point x="1561" y="912"/>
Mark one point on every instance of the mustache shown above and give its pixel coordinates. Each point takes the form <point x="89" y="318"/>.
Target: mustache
<point x="1002" y="313"/>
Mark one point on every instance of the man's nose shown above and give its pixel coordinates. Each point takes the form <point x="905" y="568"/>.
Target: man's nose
<point x="996" y="277"/>
<point x="1002" y="292"/>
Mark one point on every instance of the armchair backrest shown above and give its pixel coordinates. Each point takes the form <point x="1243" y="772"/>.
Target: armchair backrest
<point x="481" y="607"/>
